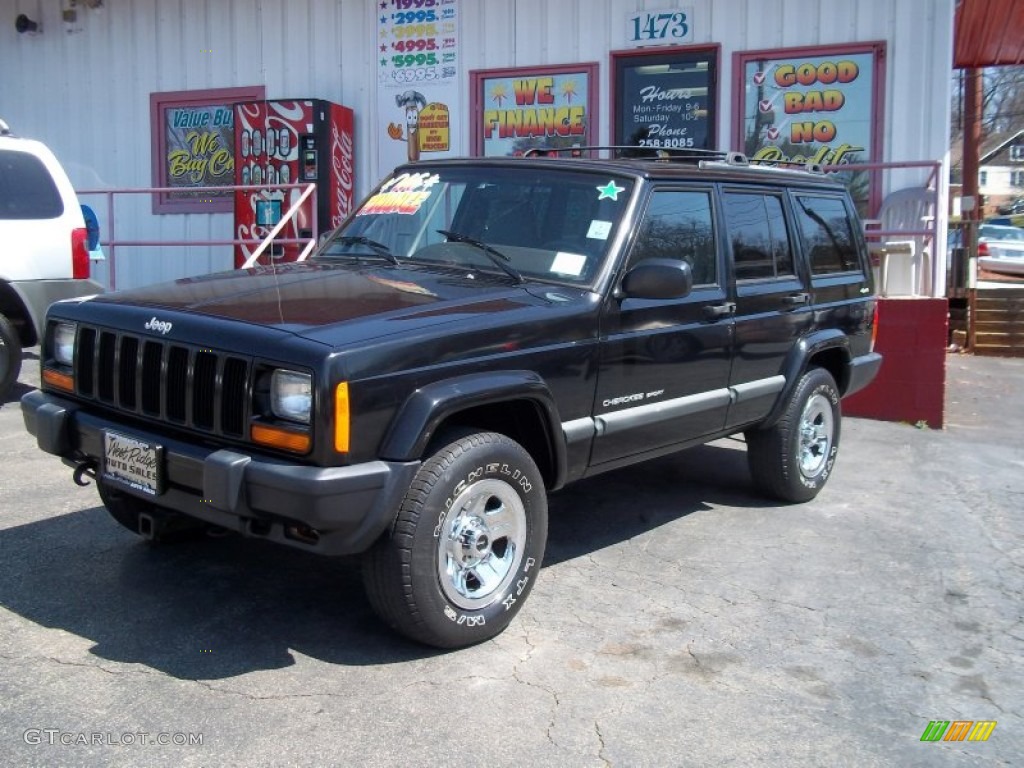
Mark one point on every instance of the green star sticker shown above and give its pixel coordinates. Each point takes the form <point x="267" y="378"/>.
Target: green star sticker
<point x="610" y="191"/>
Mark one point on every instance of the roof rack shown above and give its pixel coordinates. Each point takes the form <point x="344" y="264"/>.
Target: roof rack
<point x="635" y="152"/>
<point x="704" y="158"/>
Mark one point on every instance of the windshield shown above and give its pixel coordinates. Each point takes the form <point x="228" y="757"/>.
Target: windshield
<point x="544" y="224"/>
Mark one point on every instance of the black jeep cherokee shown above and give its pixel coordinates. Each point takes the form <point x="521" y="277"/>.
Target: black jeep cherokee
<point x="478" y="333"/>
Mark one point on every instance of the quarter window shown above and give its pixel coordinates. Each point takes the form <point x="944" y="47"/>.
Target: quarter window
<point x="678" y="225"/>
<point x="757" y="233"/>
<point x="826" y="234"/>
<point x="27" y="190"/>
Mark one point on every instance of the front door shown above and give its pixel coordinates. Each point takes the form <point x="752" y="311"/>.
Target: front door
<point x="664" y="368"/>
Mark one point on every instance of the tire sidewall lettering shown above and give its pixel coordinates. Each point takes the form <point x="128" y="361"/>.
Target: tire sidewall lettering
<point x="516" y="478"/>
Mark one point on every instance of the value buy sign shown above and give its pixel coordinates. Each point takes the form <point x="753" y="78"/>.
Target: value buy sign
<point x="814" y="108"/>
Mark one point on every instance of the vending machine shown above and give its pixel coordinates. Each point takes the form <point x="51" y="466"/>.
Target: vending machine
<point x="291" y="141"/>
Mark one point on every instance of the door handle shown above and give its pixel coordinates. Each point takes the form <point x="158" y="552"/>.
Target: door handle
<point x="796" y="299"/>
<point x="718" y="311"/>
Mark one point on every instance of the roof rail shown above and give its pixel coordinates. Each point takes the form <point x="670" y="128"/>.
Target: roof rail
<point x="705" y="158"/>
<point x="634" y="152"/>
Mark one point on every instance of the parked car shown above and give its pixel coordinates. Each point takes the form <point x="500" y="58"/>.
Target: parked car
<point x="478" y="333"/>
<point x="45" y="254"/>
<point x="1016" y="206"/>
<point x="1000" y="248"/>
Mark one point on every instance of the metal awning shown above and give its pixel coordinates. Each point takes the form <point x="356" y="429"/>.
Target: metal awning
<point x="988" y="33"/>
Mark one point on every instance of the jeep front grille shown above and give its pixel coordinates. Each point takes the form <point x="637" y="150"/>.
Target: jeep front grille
<point x="193" y="387"/>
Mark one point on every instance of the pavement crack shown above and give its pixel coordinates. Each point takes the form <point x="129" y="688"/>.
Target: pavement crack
<point x="601" y="748"/>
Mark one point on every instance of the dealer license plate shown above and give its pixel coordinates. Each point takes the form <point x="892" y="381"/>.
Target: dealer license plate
<point x="132" y="462"/>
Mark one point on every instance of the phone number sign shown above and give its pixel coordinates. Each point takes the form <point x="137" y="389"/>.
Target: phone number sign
<point x="666" y="26"/>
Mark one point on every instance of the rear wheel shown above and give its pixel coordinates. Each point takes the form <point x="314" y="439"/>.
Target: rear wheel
<point x="161" y="525"/>
<point x="467" y="545"/>
<point x="793" y="459"/>
<point x="10" y="356"/>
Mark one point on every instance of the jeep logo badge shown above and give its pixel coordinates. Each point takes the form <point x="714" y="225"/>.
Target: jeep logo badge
<point x="159" y="325"/>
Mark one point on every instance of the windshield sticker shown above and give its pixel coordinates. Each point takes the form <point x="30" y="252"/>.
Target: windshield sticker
<point x="599" y="230"/>
<point x="404" y="194"/>
<point x="610" y="191"/>
<point x="568" y="264"/>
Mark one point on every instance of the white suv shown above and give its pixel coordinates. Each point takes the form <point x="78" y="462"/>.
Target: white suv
<point x="44" y="252"/>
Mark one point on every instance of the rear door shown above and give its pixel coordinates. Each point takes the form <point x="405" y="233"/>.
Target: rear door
<point x="773" y="306"/>
<point x="665" y="363"/>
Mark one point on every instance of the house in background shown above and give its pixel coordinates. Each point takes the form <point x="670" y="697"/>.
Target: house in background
<point x="1000" y="173"/>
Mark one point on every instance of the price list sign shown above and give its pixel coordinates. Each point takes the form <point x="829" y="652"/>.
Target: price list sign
<point x="418" y="42"/>
<point x="418" y="79"/>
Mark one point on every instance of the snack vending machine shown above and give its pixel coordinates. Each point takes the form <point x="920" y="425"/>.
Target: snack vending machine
<point x="291" y="141"/>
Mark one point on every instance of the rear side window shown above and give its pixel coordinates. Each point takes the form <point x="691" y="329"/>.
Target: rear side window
<point x="26" y="189"/>
<point x="758" y="235"/>
<point x="826" y="233"/>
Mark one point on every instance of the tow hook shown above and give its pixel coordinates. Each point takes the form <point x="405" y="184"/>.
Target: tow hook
<point x="83" y="470"/>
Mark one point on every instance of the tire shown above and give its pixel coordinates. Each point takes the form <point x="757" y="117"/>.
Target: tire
<point x="169" y="527"/>
<point x="467" y="544"/>
<point x="10" y="357"/>
<point x="793" y="459"/>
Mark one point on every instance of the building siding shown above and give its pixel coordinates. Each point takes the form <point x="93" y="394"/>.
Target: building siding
<point x="84" y="88"/>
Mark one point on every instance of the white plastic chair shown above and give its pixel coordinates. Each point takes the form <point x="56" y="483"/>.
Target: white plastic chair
<point x="906" y="224"/>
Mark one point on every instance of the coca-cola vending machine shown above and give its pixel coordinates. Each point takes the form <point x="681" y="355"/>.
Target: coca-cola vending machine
<point x="291" y="141"/>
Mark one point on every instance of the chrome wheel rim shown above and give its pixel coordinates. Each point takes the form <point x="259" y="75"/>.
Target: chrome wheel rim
<point x="817" y="427"/>
<point x="480" y="543"/>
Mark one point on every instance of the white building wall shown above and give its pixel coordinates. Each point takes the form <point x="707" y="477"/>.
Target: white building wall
<point x="84" y="88"/>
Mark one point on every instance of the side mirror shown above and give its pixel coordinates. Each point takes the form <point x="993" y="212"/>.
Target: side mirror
<point x="657" y="279"/>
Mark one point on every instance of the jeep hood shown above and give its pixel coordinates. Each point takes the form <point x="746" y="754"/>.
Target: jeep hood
<point x="307" y="299"/>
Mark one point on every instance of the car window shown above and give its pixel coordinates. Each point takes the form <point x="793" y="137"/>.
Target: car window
<point x="26" y="189"/>
<point x="758" y="236"/>
<point x="1001" y="233"/>
<point x="551" y="224"/>
<point x="826" y="234"/>
<point x="678" y="225"/>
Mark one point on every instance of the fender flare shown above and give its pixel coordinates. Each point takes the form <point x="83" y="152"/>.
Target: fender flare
<point x="797" y="362"/>
<point x="14" y="298"/>
<point x="418" y="418"/>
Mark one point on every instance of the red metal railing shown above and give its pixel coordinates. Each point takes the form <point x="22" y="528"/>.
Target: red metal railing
<point x="110" y="241"/>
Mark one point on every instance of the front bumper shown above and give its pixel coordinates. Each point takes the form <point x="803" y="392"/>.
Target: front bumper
<point x="330" y="510"/>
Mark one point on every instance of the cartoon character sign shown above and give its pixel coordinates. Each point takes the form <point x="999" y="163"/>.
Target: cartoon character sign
<point x="412" y="102"/>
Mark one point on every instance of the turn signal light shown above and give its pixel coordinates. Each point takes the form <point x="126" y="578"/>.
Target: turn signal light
<point x="59" y="380"/>
<point x="275" y="437"/>
<point x="341" y="419"/>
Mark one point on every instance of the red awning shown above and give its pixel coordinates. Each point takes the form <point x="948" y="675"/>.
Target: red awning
<point x="988" y="33"/>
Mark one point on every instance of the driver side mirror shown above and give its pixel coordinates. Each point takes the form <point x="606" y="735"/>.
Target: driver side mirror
<point x="657" y="279"/>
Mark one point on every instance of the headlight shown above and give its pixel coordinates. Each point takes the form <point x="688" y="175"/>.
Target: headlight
<point x="291" y="395"/>
<point x="64" y="343"/>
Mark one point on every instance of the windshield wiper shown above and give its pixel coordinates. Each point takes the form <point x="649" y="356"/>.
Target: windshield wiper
<point x="379" y="249"/>
<point x="500" y="259"/>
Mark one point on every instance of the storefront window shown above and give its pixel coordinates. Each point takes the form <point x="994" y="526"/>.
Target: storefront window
<point x="667" y="99"/>
<point x="820" y="105"/>
<point x="526" y="108"/>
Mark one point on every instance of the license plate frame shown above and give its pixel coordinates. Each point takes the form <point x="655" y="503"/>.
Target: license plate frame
<point x="133" y="463"/>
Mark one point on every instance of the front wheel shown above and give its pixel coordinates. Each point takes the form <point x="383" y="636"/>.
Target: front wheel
<point x="466" y="547"/>
<point x="793" y="459"/>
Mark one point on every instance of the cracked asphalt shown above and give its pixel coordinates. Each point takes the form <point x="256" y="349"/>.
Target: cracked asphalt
<point x="679" y="620"/>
